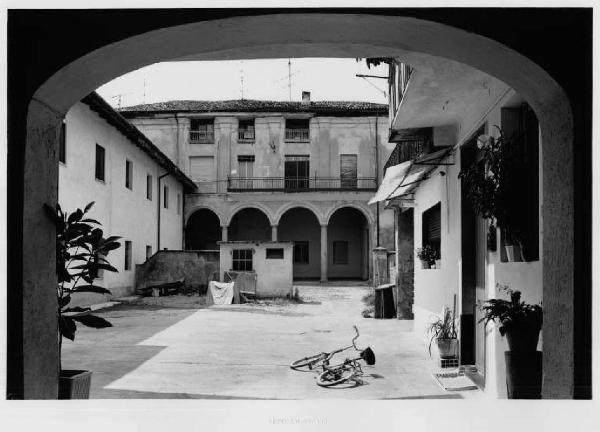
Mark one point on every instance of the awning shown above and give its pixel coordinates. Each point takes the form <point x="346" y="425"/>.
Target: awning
<point x="415" y="175"/>
<point x="434" y="158"/>
<point x="394" y="176"/>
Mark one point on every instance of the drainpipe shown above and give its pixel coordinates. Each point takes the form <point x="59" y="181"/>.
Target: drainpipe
<point x="377" y="168"/>
<point x="158" y="217"/>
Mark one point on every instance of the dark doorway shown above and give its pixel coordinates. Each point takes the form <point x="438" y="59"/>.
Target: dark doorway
<point x="250" y="224"/>
<point x="202" y="231"/>
<point x="348" y="248"/>
<point x="296" y="172"/>
<point x="301" y="226"/>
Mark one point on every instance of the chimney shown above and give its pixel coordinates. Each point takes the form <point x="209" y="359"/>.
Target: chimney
<point x="305" y="98"/>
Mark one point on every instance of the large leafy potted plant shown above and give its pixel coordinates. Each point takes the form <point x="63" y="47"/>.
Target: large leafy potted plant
<point x="521" y="323"/>
<point x="491" y="184"/>
<point x="81" y="251"/>
<point x="443" y="331"/>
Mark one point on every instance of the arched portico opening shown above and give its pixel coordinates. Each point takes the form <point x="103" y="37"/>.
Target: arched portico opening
<point x="341" y="35"/>
<point x="202" y="230"/>
<point x="301" y="226"/>
<point x="348" y="244"/>
<point x="249" y="224"/>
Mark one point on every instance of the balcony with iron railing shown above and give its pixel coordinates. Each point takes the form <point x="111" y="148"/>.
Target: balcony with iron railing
<point x="297" y="135"/>
<point x="202" y="136"/>
<point x="245" y="135"/>
<point x="405" y="151"/>
<point x="302" y="184"/>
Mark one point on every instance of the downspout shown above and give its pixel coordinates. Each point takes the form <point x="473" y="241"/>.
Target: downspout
<point x="158" y="217"/>
<point x="178" y="150"/>
<point x="377" y="168"/>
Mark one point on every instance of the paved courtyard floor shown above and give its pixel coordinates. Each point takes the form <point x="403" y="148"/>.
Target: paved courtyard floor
<point x="244" y="351"/>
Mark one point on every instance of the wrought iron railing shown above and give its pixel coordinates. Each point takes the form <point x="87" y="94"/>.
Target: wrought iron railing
<point x="297" y="135"/>
<point x="243" y="184"/>
<point x="202" y="136"/>
<point x="245" y="135"/>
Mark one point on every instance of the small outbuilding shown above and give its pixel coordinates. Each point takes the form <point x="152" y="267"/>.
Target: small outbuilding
<point x="268" y="265"/>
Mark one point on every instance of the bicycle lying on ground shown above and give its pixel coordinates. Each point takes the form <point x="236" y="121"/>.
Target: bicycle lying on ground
<point x="330" y="376"/>
<point x="323" y="358"/>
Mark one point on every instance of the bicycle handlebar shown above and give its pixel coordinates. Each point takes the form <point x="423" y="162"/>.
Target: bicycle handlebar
<point x="355" y="337"/>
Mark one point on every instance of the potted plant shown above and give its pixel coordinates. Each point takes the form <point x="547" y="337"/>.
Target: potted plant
<point x="491" y="184"/>
<point x="521" y="323"/>
<point x="81" y="251"/>
<point x="427" y="255"/>
<point x="443" y="331"/>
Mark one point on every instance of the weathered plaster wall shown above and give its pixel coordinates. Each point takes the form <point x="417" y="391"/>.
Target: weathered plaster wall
<point x="274" y="276"/>
<point x="123" y="212"/>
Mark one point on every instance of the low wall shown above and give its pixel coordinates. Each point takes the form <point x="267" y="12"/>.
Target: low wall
<point x="171" y="265"/>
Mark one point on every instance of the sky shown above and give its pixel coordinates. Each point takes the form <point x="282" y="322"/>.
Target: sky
<point x="326" y="79"/>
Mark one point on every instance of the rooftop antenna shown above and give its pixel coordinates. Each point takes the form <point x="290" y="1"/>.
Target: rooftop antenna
<point x="290" y="77"/>
<point x="144" y="90"/>
<point x="119" y="98"/>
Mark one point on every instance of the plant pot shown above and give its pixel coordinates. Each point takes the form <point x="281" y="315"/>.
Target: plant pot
<point x="447" y="348"/>
<point x="513" y="253"/>
<point x="523" y="375"/>
<point x="523" y="339"/>
<point x="438" y="263"/>
<point x="425" y="265"/>
<point x="74" y="384"/>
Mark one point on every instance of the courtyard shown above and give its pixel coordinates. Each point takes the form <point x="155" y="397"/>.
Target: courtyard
<point x="244" y="351"/>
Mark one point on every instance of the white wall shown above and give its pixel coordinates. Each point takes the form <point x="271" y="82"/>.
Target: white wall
<point x="123" y="212"/>
<point x="434" y="288"/>
<point x="274" y="276"/>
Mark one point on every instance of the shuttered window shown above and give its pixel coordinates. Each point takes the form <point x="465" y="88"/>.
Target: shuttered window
<point x="100" y="158"/>
<point x="432" y="228"/>
<point x="348" y="172"/>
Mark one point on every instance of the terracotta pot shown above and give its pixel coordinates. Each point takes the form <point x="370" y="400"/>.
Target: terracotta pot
<point x="74" y="384"/>
<point x="447" y="348"/>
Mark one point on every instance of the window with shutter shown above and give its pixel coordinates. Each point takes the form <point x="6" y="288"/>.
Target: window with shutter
<point x="432" y="228"/>
<point x="348" y="171"/>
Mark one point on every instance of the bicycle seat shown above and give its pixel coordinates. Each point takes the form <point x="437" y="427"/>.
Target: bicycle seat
<point x="368" y="356"/>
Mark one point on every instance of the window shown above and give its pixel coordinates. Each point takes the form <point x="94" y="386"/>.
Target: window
<point x="62" y="145"/>
<point x="296" y="172"/>
<point x="297" y="130"/>
<point x="274" y="253"/>
<point x="178" y="204"/>
<point x="98" y="273"/>
<point x="148" y="252"/>
<point x="127" y="255"/>
<point x="246" y="131"/>
<point x="432" y="228"/>
<point x="300" y="252"/>
<point x="129" y="174"/>
<point x="242" y="259"/>
<point x="166" y="196"/>
<point x="100" y="156"/>
<point x="202" y="131"/>
<point x="348" y="172"/>
<point x="245" y="171"/>
<point x="340" y="252"/>
<point x="149" y="187"/>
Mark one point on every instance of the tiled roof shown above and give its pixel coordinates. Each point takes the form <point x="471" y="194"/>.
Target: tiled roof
<point x="251" y="105"/>
<point x="104" y="110"/>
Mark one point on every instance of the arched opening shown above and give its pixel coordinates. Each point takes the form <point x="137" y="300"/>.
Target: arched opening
<point x="32" y="320"/>
<point x="348" y="244"/>
<point x="301" y="226"/>
<point x="202" y="231"/>
<point x="249" y="224"/>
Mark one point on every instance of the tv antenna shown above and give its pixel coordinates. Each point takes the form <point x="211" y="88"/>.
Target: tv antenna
<point x="119" y="98"/>
<point x="242" y="78"/>
<point x="290" y="77"/>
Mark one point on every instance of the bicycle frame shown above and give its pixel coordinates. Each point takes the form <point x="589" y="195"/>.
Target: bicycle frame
<point x="324" y="357"/>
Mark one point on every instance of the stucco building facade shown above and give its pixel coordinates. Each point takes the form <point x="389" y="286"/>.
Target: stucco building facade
<point x="280" y="171"/>
<point x="138" y="192"/>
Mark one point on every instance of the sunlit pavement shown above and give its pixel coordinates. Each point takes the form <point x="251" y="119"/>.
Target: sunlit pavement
<point x="244" y="351"/>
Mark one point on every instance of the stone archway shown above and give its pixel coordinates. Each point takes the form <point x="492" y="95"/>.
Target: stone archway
<point x="302" y="226"/>
<point x="202" y="230"/>
<point x="330" y="35"/>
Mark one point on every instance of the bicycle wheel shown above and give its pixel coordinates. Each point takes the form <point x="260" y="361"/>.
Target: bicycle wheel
<point x="308" y="363"/>
<point x="336" y="376"/>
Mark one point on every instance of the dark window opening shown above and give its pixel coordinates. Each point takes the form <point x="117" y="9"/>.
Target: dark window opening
<point x="340" y="252"/>
<point x="432" y="229"/>
<point x="274" y="253"/>
<point x="166" y="196"/>
<point x="301" y="252"/>
<point x="148" y="252"/>
<point x="246" y="130"/>
<point x="128" y="174"/>
<point x="100" y="161"/>
<point x="149" y="187"/>
<point x="127" y="255"/>
<point x="296" y="172"/>
<point x="242" y="259"/>
<point x="62" y="146"/>
<point x="202" y="131"/>
<point x="297" y="129"/>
